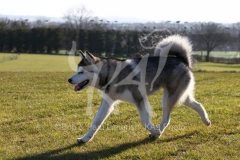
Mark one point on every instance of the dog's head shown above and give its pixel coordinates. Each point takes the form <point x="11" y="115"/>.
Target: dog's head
<point x="86" y="71"/>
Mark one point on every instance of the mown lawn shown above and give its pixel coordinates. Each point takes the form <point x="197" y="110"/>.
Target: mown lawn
<point x="37" y="62"/>
<point x="216" y="67"/>
<point x="220" y="54"/>
<point x="41" y="117"/>
<point x="54" y="63"/>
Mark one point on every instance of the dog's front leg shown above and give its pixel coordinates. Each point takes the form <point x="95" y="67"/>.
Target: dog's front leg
<point x="104" y="111"/>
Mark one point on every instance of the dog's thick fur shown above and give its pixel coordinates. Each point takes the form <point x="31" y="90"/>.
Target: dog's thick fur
<point x="132" y="80"/>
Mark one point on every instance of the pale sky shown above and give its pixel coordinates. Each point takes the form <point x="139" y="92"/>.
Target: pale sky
<point x="227" y="11"/>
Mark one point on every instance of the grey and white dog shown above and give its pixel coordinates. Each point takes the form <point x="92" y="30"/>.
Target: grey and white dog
<point x="132" y="80"/>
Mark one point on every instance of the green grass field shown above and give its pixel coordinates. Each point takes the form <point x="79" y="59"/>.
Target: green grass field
<point x="216" y="67"/>
<point x="35" y="63"/>
<point x="54" y="63"/>
<point x="41" y="117"/>
<point x="220" y="54"/>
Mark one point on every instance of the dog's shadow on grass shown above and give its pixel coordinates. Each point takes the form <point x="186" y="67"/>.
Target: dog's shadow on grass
<point x="104" y="153"/>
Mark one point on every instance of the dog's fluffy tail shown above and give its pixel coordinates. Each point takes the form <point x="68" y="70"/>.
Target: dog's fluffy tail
<point x="175" y="45"/>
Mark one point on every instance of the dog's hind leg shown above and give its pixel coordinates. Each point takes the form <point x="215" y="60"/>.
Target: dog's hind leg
<point x="192" y="103"/>
<point x="104" y="111"/>
<point x="145" y="114"/>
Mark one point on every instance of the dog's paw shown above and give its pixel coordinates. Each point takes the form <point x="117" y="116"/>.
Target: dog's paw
<point x="84" y="139"/>
<point x="80" y="141"/>
<point x="207" y="122"/>
<point x="155" y="135"/>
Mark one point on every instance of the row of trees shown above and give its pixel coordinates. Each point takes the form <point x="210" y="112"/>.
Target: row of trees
<point x="92" y="34"/>
<point x="52" y="40"/>
<point x="36" y="40"/>
<point x="210" y="36"/>
<point x="205" y="36"/>
<point x="113" y="42"/>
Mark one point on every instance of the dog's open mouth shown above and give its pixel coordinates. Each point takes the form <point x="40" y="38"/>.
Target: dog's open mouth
<point x="81" y="85"/>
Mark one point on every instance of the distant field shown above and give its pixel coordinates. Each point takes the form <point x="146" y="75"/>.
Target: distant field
<point x="220" y="54"/>
<point x="36" y="62"/>
<point x="216" y="67"/>
<point x="39" y="62"/>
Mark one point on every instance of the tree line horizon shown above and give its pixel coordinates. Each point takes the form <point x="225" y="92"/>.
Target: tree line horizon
<point x="99" y="38"/>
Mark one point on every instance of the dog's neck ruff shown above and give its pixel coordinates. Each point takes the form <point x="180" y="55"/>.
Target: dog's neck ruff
<point x="103" y="84"/>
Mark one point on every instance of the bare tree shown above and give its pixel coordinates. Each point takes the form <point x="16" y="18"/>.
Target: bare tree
<point x="210" y="35"/>
<point x="238" y="35"/>
<point x="41" y="22"/>
<point x="99" y="24"/>
<point x="19" y="24"/>
<point x="4" y="23"/>
<point x="238" y="25"/>
<point x="78" y="17"/>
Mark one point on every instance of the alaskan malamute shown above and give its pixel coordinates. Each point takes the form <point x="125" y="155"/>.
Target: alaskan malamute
<point x="132" y="80"/>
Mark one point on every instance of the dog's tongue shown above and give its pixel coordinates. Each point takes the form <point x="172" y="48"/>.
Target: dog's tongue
<point x="76" y="88"/>
<point x="81" y="85"/>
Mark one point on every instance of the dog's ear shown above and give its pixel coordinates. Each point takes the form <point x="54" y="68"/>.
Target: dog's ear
<point x="90" y="55"/>
<point x="90" y="58"/>
<point x="82" y="55"/>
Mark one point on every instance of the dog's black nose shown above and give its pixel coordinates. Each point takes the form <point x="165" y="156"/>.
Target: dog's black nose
<point x="70" y="80"/>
